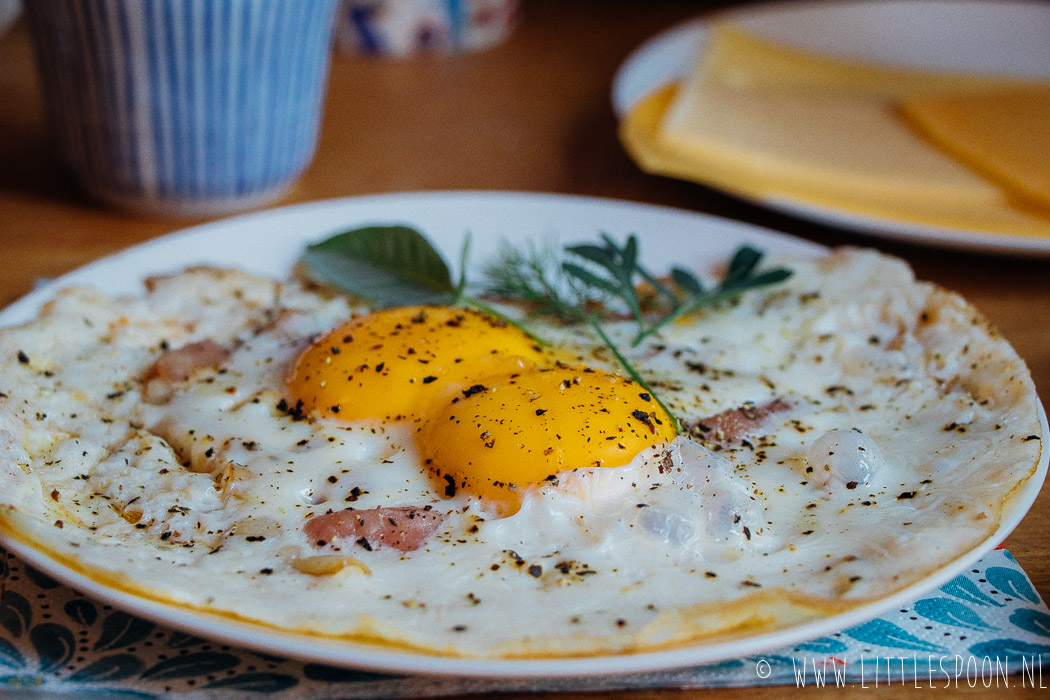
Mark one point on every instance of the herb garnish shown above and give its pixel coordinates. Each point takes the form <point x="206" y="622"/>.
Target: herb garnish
<point x="526" y="277"/>
<point x="397" y="266"/>
<point x="392" y="266"/>
<point x="384" y="265"/>
<point x="520" y="277"/>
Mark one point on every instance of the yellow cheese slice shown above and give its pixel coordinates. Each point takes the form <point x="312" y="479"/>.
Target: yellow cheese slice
<point x="767" y="121"/>
<point x="1003" y="135"/>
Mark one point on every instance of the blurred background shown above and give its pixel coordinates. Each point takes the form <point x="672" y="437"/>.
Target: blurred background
<point x="531" y="113"/>
<point x="530" y="110"/>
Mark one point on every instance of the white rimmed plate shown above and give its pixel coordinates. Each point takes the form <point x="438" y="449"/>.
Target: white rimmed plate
<point x="269" y="242"/>
<point x="1006" y="37"/>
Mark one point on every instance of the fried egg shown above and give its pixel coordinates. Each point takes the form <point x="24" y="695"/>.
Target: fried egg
<point x="431" y="479"/>
<point x="390" y="364"/>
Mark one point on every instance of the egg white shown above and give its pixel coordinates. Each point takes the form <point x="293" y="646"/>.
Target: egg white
<point x="201" y="497"/>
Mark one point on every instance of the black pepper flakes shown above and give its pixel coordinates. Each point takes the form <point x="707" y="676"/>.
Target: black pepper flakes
<point x="296" y="412"/>
<point x="645" y="418"/>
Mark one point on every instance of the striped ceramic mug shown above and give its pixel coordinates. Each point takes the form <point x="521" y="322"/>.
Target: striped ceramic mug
<point x="184" y="107"/>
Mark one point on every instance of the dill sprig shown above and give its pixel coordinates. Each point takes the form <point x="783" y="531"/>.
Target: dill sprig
<point x="530" y="277"/>
<point x="596" y="274"/>
<point x="534" y="279"/>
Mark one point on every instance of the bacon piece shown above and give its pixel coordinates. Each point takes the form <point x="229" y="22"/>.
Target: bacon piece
<point x="728" y="428"/>
<point x="403" y="527"/>
<point x="177" y="365"/>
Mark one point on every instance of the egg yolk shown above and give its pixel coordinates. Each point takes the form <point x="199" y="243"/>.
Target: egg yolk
<point x="391" y="364"/>
<point x="498" y="437"/>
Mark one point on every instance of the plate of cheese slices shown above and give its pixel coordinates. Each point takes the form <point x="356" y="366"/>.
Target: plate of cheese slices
<point x="921" y="121"/>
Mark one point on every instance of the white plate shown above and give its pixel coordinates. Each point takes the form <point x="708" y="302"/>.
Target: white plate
<point x="269" y="242"/>
<point x="1005" y="37"/>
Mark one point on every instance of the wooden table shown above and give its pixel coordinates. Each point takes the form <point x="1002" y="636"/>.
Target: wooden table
<point x="532" y="114"/>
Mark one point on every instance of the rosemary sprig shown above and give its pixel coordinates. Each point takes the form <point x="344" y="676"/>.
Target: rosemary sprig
<point x="623" y="274"/>
<point x="618" y="275"/>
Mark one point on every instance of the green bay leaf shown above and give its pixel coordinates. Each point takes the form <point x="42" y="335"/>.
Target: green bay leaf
<point x="385" y="265"/>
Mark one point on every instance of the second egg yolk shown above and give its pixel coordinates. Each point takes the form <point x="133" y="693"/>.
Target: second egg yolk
<point x="496" y="438"/>
<point x="392" y="364"/>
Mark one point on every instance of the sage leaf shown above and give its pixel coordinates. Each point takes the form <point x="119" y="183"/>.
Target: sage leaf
<point x="385" y="265"/>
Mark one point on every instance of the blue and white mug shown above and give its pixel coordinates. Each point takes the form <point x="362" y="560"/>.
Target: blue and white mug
<point x="184" y="107"/>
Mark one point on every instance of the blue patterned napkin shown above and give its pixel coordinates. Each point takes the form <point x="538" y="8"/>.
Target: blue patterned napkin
<point x="987" y="626"/>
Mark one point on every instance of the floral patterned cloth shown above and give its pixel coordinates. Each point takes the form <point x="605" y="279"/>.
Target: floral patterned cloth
<point x="987" y="626"/>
